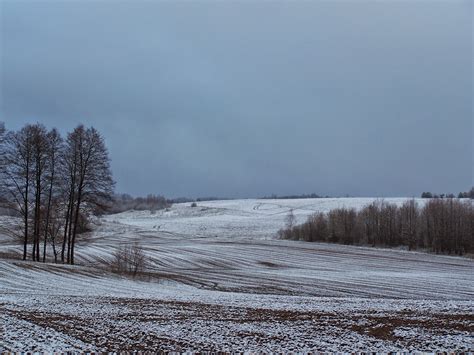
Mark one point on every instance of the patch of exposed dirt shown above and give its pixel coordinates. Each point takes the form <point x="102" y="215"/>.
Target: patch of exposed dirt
<point x="383" y="327"/>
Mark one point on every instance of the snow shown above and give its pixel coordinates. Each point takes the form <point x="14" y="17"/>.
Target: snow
<point x="239" y="218"/>
<point x="220" y="280"/>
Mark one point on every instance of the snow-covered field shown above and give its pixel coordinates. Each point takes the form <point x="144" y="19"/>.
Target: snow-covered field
<point x="218" y="279"/>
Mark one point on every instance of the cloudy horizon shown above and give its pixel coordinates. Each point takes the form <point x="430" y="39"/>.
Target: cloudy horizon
<point x="249" y="99"/>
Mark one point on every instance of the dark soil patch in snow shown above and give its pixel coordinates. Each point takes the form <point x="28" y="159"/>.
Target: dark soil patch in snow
<point x="384" y="327"/>
<point x="268" y="264"/>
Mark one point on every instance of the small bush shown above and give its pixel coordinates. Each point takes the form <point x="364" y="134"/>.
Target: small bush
<point x="129" y="259"/>
<point x="194" y="204"/>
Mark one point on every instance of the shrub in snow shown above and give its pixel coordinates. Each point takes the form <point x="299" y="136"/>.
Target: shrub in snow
<point x="129" y="259"/>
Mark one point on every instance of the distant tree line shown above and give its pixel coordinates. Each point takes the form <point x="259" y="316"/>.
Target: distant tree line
<point x="199" y="199"/>
<point x="467" y="194"/>
<point x="125" y="202"/>
<point x="441" y="226"/>
<point x="289" y="197"/>
<point x="181" y="200"/>
<point x="212" y="198"/>
<point x="53" y="184"/>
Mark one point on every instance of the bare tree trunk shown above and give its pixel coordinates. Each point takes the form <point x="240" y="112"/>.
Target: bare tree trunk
<point x="69" y="234"/>
<point x="37" y="216"/>
<point x="25" y="240"/>
<point x="54" y="148"/>
<point x="66" y="225"/>
<point x="48" y="212"/>
<point x="55" y="253"/>
<point x="26" y="207"/>
<point x="76" y="220"/>
<point x="69" y="213"/>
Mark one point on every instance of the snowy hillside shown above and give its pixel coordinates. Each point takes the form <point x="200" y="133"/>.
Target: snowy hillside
<point x="219" y="279"/>
<point x="249" y="218"/>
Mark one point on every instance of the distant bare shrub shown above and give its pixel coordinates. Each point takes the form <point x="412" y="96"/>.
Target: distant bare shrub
<point x="129" y="259"/>
<point x="290" y="220"/>
<point x="290" y="231"/>
<point x="194" y="204"/>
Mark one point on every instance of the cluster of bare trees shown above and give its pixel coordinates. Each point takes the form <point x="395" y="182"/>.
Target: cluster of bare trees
<point x="467" y="194"/>
<point x="53" y="184"/>
<point x="125" y="202"/>
<point x="441" y="225"/>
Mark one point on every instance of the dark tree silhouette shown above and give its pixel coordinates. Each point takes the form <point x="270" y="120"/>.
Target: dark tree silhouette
<point x="54" y="151"/>
<point x="93" y="179"/>
<point x="40" y="160"/>
<point x="16" y="174"/>
<point x="52" y="184"/>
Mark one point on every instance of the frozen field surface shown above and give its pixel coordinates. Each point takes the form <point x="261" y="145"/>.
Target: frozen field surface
<point x="218" y="279"/>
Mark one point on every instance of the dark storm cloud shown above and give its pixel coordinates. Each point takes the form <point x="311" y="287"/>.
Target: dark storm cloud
<point x="252" y="98"/>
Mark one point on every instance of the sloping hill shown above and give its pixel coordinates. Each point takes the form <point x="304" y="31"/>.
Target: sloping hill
<point x="218" y="279"/>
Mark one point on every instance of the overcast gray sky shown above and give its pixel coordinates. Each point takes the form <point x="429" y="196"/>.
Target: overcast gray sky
<point x="250" y="98"/>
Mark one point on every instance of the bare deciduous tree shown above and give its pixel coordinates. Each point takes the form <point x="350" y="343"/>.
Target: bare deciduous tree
<point x="40" y="160"/>
<point x="409" y="220"/>
<point x="17" y="173"/>
<point x="54" y="151"/>
<point x="92" y="179"/>
<point x="290" y="220"/>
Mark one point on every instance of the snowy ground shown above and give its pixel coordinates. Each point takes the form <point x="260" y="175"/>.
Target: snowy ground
<point x="219" y="280"/>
